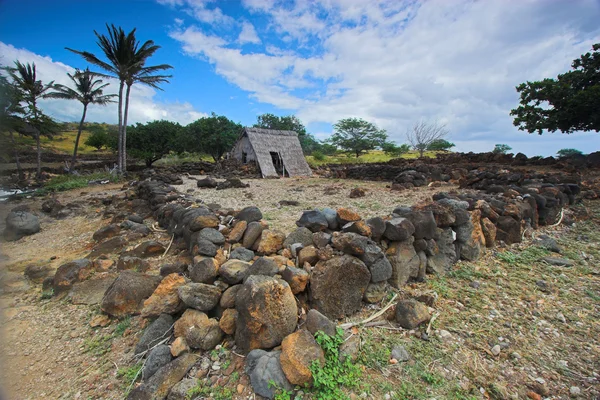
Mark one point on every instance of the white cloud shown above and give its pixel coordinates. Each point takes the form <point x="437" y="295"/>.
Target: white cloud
<point x="201" y="10"/>
<point x="248" y="34"/>
<point x="142" y="106"/>
<point x="394" y="63"/>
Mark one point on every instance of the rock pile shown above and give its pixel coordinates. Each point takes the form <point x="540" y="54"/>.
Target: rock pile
<point x="270" y="292"/>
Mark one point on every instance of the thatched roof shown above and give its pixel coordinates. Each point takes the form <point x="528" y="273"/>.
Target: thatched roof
<point x="286" y="143"/>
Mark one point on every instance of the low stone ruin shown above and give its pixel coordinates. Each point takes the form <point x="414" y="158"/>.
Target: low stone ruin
<point x="270" y="292"/>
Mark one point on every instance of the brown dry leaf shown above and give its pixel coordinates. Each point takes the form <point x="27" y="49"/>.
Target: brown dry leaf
<point x="354" y="330"/>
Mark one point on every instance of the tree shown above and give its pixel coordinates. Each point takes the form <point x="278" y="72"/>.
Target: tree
<point x="32" y="90"/>
<point x="126" y="62"/>
<point x="355" y="135"/>
<point x="151" y="141"/>
<point x="11" y="116"/>
<point x="88" y="90"/>
<point x="569" y="103"/>
<point x="214" y="135"/>
<point x="562" y="153"/>
<point x="98" y="137"/>
<point x="289" y="123"/>
<point x="501" y="149"/>
<point x="423" y="133"/>
<point x="393" y="150"/>
<point x="440" y="145"/>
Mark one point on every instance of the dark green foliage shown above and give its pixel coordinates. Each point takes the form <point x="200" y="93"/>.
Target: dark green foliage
<point x="335" y="374"/>
<point x="569" y="103"/>
<point x="151" y="141"/>
<point x="327" y="149"/>
<point x="393" y="150"/>
<point x="355" y="135"/>
<point x="440" y="145"/>
<point x="501" y="149"/>
<point x="317" y="155"/>
<point x="98" y="137"/>
<point x="214" y="135"/>
<point x="568" y="153"/>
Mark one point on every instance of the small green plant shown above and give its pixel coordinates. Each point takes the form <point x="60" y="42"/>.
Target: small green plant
<point x="98" y="345"/>
<point x="130" y="374"/>
<point x="280" y="393"/>
<point x="336" y="374"/>
<point x="61" y="183"/>
<point x="212" y="392"/>
<point x="122" y="326"/>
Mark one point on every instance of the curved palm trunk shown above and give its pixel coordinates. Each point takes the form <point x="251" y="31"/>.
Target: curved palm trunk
<point x="124" y="163"/>
<point x="120" y="138"/>
<point x="74" y="160"/>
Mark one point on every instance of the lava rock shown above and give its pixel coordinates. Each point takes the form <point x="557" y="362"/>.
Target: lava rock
<point x="20" y="224"/>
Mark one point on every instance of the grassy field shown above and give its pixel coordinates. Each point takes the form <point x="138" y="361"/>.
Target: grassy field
<point x="370" y="157"/>
<point x="62" y="143"/>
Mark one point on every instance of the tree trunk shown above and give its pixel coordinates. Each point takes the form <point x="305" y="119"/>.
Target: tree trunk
<point x="17" y="161"/>
<point x="125" y="128"/>
<point x="120" y="138"/>
<point x="421" y="153"/>
<point x="78" y="136"/>
<point x="39" y="154"/>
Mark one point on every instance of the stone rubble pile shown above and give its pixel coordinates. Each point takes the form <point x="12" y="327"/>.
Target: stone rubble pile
<point x="271" y="292"/>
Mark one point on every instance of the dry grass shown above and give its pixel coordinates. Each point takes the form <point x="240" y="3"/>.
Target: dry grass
<point x="310" y="193"/>
<point x="374" y="156"/>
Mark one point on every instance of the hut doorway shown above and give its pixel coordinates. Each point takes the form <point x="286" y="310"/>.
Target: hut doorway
<point x="278" y="163"/>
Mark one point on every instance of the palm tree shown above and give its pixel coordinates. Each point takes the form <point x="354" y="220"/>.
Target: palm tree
<point x="88" y="90"/>
<point x="126" y="62"/>
<point x="11" y="116"/>
<point x="24" y="78"/>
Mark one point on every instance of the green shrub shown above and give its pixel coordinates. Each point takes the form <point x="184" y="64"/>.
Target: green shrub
<point x="317" y="155"/>
<point x="61" y="183"/>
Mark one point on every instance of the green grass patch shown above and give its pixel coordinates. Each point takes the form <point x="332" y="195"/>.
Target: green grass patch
<point x="98" y="345"/>
<point x="528" y="256"/>
<point x="61" y="183"/>
<point x="375" y="156"/>
<point x="212" y="392"/>
<point x="122" y="326"/>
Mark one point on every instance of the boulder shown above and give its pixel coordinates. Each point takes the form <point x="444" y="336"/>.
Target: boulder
<point x="213" y="236"/>
<point x="350" y="243"/>
<point x="228" y="296"/>
<point x="157" y="331"/>
<point x="37" y="273"/>
<point x="331" y="217"/>
<point x="199" y="331"/>
<point x="228" y="321"/>
<point x="262" y="266"/>
<point x="345" y="215"/>
<point x="112" y="245"/>
<point x="199" y="296"/>
<point x="372" y="254"/>
<point x="441" y="253"/>
<point x="127" y="293"/>
<point x="135" y="227"/>
<point x="203" y="270"/>
<point x="314" y="220"/>
<point x="67" y="274"/>
<point x="424" y="223"/>
<point x="20" y="224"/>
<point x="106" y="232"/>
<point x="381" y="270"/>
<point x="233" y="271"/>
<point x="315" y="321"/>
<point x="207" y="182"/>
<point x="203" y="219"/>
<point x="165" y="298"/>
<point x="320" y="239"/>
<point x="301" y="235"/>
<point x="253" y="232"/>
<point x="129" y="262"/>
<point x="411" y="313"/>
<point x="237" y="232"/>
<point x="375" y="292"/>
<point x="309" y="255"/>
<point x="265" y="373"/>
<point x="91" y="291"/>
<point x="359" y="227"/>
<point x="250" y="214"/>
<point x="52" y="207"/>
<point x="157" y="358"/>
<point x="159" y="385"/>
<point x="404" y="261"/>
<point x="176" y="267"/>
<point x="203" y="247"/>
<point x="150" y="248"/>
<point x="398" y="229"/>
<point x="270" y="242"/>
<point x="508" y="230"/>
<point x="489" y="232"/>
<point x="299" y="351"/>
<point x="377" y="225"/>
<point x="241" y="253"/>
<point x="267" y="313"/>
<point x="337" y="286"/>
<point x="297" y="278"/>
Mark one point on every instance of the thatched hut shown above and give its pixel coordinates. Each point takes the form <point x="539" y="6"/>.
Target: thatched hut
<point x="277" y="153"/>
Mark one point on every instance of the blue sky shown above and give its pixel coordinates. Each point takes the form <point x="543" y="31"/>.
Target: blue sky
<point x="390" y="62"/>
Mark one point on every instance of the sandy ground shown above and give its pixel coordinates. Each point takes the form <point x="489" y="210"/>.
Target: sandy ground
<point x="310" y="193"/>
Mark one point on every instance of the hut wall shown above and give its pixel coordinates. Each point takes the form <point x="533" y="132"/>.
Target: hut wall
<point x="243" y="146"/>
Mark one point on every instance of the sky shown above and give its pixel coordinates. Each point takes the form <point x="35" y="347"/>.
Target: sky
<point x="390" y="62"/>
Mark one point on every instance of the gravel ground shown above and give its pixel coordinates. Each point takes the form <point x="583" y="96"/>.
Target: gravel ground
<point x="310" y="193"/>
